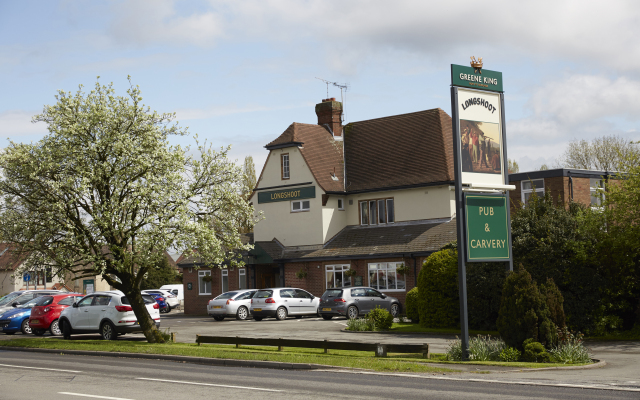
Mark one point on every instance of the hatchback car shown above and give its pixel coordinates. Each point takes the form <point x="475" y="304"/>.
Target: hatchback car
<point x="108" y="313"/>
<point x="17" y="319"/>
<point x="231" y="304"/>
<point x="162" y="302"/>
<point x="172" y="299"/>
<point x="45" y="314"/>
<point x="283" y="302"/>
<point x="354" y="301"/>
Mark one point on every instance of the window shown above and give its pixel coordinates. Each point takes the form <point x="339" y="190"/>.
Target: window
<point x="301" y="294"/>
<point x="383" y="276"/>
<point x="531" y="186"/>
<point x="341" y="204"/>
<point x="284" y="164"/>
<point x="86" y="301"/>
<point x="225" y="280"/>
<point x="242" y="278"/>
<point x="596" y="188"/>
<point x="204" y="284"/>
<point x="300" y="205"/>
<point x="287" y="293"/>
<point x="377" y="212"/>
<point x="67" y="301"/>
<point x="335" y="278"/>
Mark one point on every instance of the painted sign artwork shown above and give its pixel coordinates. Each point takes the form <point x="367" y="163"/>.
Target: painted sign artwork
<point x="480" y="147"/>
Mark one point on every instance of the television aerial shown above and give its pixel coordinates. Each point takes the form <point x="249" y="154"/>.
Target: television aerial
<point x="344" y="87"/>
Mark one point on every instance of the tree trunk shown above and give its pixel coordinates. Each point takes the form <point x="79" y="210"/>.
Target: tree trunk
<point x="147" y="323"/>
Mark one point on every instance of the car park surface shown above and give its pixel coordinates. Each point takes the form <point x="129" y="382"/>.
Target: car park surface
<point x="352" y="302"/>
<point x="236" y="304"/>
<point x="283" y="302"/>
<point x="44" y="315"/>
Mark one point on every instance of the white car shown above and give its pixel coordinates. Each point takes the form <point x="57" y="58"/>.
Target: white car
<point x="231" y="304"/>
<point x="171" y="298"/>
<point x="283" y="302"/>
<point x="107" y="313"/>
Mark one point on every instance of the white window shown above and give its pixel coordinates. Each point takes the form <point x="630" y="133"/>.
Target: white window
<point x="383" y="276"/>
<point x="300" y="205"/>
<point x="285" y="166"/>
<point x="204" y="284"/>
<point x="334" y="276"/>
<point x="596" y="188"/>
<point x="531" y="186"/>
<point x="377" y="212"/>
<point x="225" y="280"/>
<point x="242" y="278"/>
<point x="341" y="204"/>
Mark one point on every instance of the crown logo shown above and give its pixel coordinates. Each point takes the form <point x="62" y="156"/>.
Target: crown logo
<point x="477" y="65"/>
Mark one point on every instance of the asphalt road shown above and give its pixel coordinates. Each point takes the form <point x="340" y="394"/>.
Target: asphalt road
<point x="51" y="376"/>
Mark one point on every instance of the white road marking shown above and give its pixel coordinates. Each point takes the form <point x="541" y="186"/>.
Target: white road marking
<point x="93" y="396"/>
<point x="210" y="384"/>
<point x="339" y="323"/>
<point x="46" y="369"/>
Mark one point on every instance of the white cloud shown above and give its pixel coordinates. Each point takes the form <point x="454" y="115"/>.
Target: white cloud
<point x="15" y="123"/>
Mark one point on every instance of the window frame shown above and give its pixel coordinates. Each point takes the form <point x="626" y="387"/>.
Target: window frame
<point x="242" y="275"/>
<point x="534" y="189"/>
<point x="374" y="220"/>
<point x="285" y="170"/>
<point x="593" y="192"/>
<point x="301" y="205"/>
<point x="387" y="271"/>
<point x="332" y="268"/>
<point x="201" y="283"/>
<point x="224" y="275"/>
<point x="340" y="204"/>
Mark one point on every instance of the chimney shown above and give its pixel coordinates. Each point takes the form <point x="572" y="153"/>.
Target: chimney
<point x="329" y="113"/>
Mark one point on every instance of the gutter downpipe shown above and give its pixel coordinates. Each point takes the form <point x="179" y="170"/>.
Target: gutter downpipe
<point x="415" y="270"/>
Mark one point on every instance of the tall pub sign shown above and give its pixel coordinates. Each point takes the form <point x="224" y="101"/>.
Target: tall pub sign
<point x="481" y="176"/>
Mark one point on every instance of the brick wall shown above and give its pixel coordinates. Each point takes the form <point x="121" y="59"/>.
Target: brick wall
<point x="196" y="304"/>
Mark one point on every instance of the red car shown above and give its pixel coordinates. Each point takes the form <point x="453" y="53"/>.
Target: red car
<point x="45" y="314"/>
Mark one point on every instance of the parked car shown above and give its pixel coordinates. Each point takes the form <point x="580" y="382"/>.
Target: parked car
<point x="162" y="302"/>
<point x="231" y="304"/>
<point x="46" y="313"/>
<point x="282" y="302"/>
<point x="354" y="301"/>
<point x="108" y="313"/>
<point x="17" y="319"/>
<point x="171" y="298"/>
<point x="19" y="297"/>
<point x="177" y="289"/>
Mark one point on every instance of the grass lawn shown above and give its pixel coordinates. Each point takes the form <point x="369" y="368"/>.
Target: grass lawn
<point x="339" y="358"/>
<point x="415" y="328"/>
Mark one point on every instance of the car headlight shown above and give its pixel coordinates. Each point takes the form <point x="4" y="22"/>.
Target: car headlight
<point x="17" y="315"/>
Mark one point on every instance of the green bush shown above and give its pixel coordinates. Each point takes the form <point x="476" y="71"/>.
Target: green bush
<point x="554" y="301"/>
<point x="438" y="290"/>
<point x="570" y="349"/>
<point x="509" y="354"/>
<point x="360" y="324"/>
<point x="381" y="318"/>
<point x="413" y="305"/>
<point x="484" y="289"/>
<point x="524" y="313"/>
<point x="535" y="352"/>
<point x="481" y="348"/>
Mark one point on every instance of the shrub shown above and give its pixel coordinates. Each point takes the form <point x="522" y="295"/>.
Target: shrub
<point x="570" y="348"/>
<point x="413" y="305"/>
<point x="535" y="352"/>
<point x="381" y="318"/>
<point x="509" y="354"/>
<point x="484" y="289"/>
<point x="360" y="324"/>
<point x="454" y="350"/>
<point x="554" y="301"/>
<point x="523" y="312"/>
<point x="481" y="348"/>
<point x="438" y="289"/>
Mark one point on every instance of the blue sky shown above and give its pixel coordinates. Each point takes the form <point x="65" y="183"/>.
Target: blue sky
<point x="239" y="72"/>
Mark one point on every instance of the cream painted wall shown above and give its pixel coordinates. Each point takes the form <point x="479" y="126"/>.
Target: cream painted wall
<point x="409" y="204"/>
<point x="291" y="229"/>
<point x="8" y="283"/>
<point x="333" y="220"/>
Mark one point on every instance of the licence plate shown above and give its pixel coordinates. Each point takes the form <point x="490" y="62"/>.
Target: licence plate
<point x="326" y="309"/>
<point x="257" y="309"/>
<point x="216" y="307"/>
<point x="34" y="321"/>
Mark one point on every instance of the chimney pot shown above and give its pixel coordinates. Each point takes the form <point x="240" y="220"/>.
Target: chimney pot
<point x="329" y="113"/>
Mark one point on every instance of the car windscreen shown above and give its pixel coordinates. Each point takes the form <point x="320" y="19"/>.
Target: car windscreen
<point x="263" y="294"/>
<point x="332" y="293"/>
<point x="30" y="304"/>
<point x="147" y="300"/>
<point x="44" y="300"/>
<point x="8" y="298"/>
<point x="225" y="296"/>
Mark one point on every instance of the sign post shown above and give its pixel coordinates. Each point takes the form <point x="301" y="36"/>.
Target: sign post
<point x="481" y="176"/>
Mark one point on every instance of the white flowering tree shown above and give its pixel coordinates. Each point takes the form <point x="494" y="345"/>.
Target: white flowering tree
<point x="104" y="193"/>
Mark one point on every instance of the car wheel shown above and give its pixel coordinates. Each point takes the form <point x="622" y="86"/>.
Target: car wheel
<point x="66" y="330"/>
<point x="352" y="312"/>
<point x="38" y="332"/>
<point x="242" y="313"/>
<point x="327" y="317"/>
<point x="395" y="310"/>
<point x="168" y="310"/>
<point x="55" y="328"/>
<point x="281" y="313"/>
<point x="25" y="327"/>
<point x="108" y="331"/>
<point x="258" y="318"/>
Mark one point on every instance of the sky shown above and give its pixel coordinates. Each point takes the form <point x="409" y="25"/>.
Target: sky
<point x="240" y="72"/>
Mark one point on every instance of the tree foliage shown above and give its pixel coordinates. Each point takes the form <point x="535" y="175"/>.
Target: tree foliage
<point x="438" y="289"/>
<point x="104" y="193"/>
<point x="606" y="153"/>
<point x="161" y="273"/>
<point x="513" y="167"/>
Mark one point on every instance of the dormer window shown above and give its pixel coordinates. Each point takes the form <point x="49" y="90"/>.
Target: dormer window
<point x="284" y="164"/>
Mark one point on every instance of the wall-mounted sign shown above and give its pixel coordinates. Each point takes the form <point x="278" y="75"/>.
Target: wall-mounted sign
<point x="487" y="227"/>
<point x="308" y="192"/>
<point x="469" y="77"/>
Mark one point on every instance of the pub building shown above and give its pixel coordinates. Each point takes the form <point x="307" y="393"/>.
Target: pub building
<point x="344" y="206"/>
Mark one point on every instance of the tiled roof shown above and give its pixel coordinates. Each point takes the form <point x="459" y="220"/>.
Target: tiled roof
<point x="356" y="241"/>
<point x="10" y="258"/>
<point x="400" y="150"/>
<point x="321" y="152"/>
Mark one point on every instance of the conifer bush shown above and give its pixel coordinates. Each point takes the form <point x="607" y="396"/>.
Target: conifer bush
<point x="438" y="289"/>
<point x="413" y="305"/>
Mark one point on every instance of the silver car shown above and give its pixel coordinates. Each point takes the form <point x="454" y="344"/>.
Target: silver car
<point x="354" y="301"/>
<point x="282" y="302"/>
<point x="231" y="304"/>
<point x="20" y="297"/>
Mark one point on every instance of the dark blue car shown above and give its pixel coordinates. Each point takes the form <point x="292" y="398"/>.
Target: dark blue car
<point x="162" y="302"/>
<point x="17" y="319"/>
